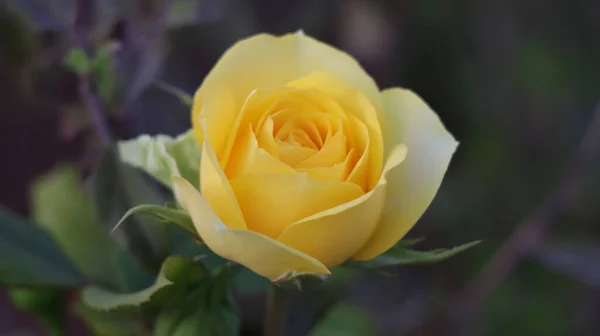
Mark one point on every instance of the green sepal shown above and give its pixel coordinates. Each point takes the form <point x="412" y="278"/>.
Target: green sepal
<point x="174" y="270"/>
<point x="183" y="97"/>
<point x="400" y="255"/>
<point x="204" y="309"/>
<point x="161" y="156"/>
<point x="176" y="216"/>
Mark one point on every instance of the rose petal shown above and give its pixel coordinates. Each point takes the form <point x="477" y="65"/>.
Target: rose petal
<point x="248" y="158"/>
<point x="411" y="188"/>
<point x="217" y="107"/>
<point x="216" y="188"/>
<point x="271" y="202"/>
<point x="334" y="235"/>
<point x="356" y="104"/>
<point x="259" y="253"/>
<point x="268" y="61"/>
<point x="334" y="151"/>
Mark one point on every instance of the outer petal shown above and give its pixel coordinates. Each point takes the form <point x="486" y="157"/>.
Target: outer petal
<point x="268" y="61"/>
<point x="259" y="253"/>
<point x="413" y="185"/>
<point x="216" y="188"/>
<point x="334" y="235"/>
<point x="215" y="105"/>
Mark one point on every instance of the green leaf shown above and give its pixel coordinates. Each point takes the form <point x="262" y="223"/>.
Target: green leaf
<point x="204" y="309"/>
<point x="403" y="256"/>
<point x="247" y="282"/>
<point x="77" y="60"/>
<point x="174" y="269"/>
<point x="103" y="323"/>
<point x="103" y="72"/>
<point x="410" y="242"/>
<point x="116" y="188"/>
<point x="345" y="320"/>
<point x="183" y="97"/>
<point x="178" y="217"/>
<point x="46" y="304"/>
<point x="29" y="256"/>
<point x="60" y="204"/>
<point x="162" y="156"/>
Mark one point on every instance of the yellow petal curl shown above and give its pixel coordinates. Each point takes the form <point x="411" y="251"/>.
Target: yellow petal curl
<point x="411" y="188"/>
<point x="259" y="253"/>
<point x="334" y="235"/>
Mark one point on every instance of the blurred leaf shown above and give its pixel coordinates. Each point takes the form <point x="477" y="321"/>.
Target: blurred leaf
<point x="30" y="257"/>
<point x="104" y="299"/>
<point x="580" y="261"/>
<point x="173" y="269"/>
<point x="178" y="217"/>
<point x="45" y="304"/>
<point x="204" y="309"/>
<point x="346" y="320"/>
<point x="185" y="98"/>
<point x="402" y="256"/>
<point x="77" y="60"/>
<point x="104" y="323"/>
<point x="47" y="15"/>
<point x="525" y="305"/>
<point x="103" y="72"/>
<point x="18" y="39"/>
<point x="248" y="282"/>
<point x="61" y="206"/>
<point x="543" y="70"/>
<point x="162" y="156"/>
<point x="116" y="188"/>
<point x="409" y="242"/>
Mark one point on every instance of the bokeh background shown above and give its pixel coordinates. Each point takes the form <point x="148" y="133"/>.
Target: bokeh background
<point x="516" y="82"/>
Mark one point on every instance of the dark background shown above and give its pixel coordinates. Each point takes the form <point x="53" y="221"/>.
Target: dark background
<point x="516" y="82"/>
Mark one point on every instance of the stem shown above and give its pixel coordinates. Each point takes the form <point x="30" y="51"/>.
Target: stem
<point x="276" y="311"/>
<point x="95" y="110"/>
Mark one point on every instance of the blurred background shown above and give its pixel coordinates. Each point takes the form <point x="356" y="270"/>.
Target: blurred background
<point x="516" y="82"/>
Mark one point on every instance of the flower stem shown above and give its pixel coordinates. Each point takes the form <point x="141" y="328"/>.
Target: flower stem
<point x="276" y="311"/>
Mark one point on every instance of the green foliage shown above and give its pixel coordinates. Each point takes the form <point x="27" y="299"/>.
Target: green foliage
<point x="30" y="257"/>
<point x="346" y="320"/>
<point x="78" y="61"/>
<point x="205" y="309"/>
<point x="102" y="70"/>
<point x="247" y="282"/>
<point x="162" y="156"/>
<point x="61" y="205"/>
<point x="183" y="97"/>
<point x="103" y="323"/>
<point x="190" y="300"/>
<point x="531" y="302"/>
<point x="179" y="217"/>
<point x="44" y="303"/>
<point x="104" y="299"/>
<point x="400" y="255"/>
<point x="116" y="188"/>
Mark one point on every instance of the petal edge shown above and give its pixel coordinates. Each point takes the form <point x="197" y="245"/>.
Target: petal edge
<point x="259" y="253"/>
<point x="413" y="186"/>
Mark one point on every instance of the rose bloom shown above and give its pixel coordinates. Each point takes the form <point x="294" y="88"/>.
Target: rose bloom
<point x="305" y="162"/>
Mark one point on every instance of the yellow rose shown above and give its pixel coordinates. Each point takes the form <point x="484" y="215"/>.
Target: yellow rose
<point x="305" y="163"/>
